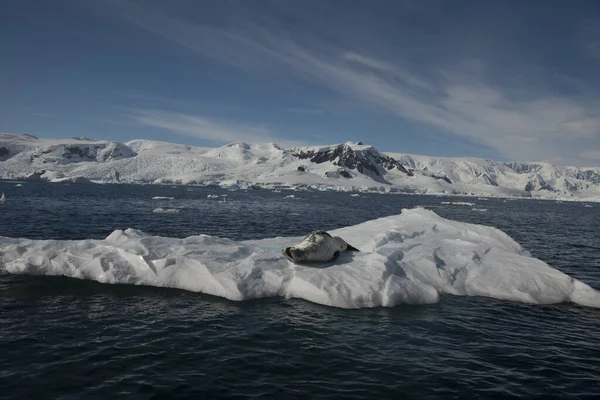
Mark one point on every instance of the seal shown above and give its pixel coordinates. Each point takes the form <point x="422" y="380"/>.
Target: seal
<point x="317" y="246"/>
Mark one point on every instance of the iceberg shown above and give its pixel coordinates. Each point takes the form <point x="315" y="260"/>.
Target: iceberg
<point x="161" y="210"/>
<point x="410" y="258"/>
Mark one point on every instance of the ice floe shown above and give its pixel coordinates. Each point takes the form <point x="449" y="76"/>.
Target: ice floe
<point x="163" y="198"/>
<point x="411" y="258"/>
<point x="458" y="203"/>
<point x="161" y="210"/>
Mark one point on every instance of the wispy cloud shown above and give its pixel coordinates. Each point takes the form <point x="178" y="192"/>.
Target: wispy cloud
<point x="457" y="100"/>
<point x="366" y="61"/>
<point x="207" y="128"/>
<point x="591" y="154"/>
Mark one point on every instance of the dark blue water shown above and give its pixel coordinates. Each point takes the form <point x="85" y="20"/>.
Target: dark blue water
<point x="71" y="339"/>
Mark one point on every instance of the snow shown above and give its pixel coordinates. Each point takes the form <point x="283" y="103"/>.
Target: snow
<point x="241" y="165"/>
<point x="411" y="258"/>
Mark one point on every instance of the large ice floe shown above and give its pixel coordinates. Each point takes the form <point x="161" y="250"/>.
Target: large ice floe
<point x="409" y="258"/>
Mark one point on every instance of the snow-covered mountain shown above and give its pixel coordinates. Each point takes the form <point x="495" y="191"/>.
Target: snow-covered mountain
<point x="347" y="166"/>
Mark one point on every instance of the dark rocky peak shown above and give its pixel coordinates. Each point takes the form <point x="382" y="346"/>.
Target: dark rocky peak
<point x="353" y="156"/>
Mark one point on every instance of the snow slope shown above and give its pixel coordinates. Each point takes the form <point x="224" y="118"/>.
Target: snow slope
<point x="411" y="258"/>
<point x="480" y="177"/>
<point x="346" y="166"/>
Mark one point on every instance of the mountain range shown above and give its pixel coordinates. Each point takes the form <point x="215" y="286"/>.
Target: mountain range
<point x="351" y="166"/>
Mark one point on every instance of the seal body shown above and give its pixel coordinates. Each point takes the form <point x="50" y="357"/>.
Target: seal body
<point x="317" y="246"/>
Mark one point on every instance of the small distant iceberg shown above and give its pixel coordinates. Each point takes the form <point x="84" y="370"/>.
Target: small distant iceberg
<point x="458" y="203"/>
<point x="165" y="210"/>
<point x="19" y="185"/>
<point x="588" y="206"/>
<point x="289" y="196"/>
<point x="213" y="196"/>
<point x="355" y="195"/>
<point x="2" y="198"/>
<point x="163" y="198"/>
<point x="479" y="209"/>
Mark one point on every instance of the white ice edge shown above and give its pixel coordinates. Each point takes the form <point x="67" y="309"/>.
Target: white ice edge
<point x="409" y="258"/>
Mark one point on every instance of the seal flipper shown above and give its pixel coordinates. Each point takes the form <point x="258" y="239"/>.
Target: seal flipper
<point x="351" y="248"/>
<point x="335" y="255"/>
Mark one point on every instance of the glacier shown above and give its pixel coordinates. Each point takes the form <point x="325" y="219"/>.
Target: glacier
<point x="410" y="258"/>
<point x="344" y="167"/>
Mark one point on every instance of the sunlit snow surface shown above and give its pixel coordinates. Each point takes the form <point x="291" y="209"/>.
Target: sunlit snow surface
<point x="409" y="258"/>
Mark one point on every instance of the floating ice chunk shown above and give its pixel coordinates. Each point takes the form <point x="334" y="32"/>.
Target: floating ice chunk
<point x="163" y="198"/>
<point x="479" y="209"/>
<point x="213" y="196"/>
<point x="165" y="210"/>
<point x="355" y="195"/>
<point x="289" y="196"/>
<point x="411" y="258"/>
<point x="459" y="203"/>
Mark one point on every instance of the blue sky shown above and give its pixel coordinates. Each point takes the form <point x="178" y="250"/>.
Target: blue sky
<point x="507" y="80"/>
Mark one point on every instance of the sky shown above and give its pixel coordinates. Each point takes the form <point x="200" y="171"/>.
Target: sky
<point x="510" y="80"/>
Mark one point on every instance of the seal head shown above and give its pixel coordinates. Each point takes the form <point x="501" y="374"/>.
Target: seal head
<point x="317" y="246"/>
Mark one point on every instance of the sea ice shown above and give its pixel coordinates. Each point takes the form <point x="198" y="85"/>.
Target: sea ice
<point x="411" y="258"/>
<point x="163" y="198"/>
<point x="458" y="203"/>
<point x="165" y="210"/>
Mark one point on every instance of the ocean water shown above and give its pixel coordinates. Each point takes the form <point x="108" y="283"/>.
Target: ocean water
<point x="70" y="339"/>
